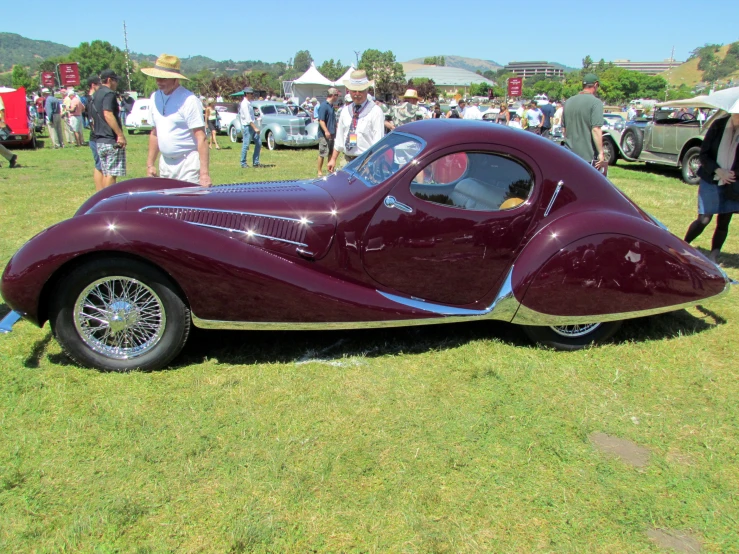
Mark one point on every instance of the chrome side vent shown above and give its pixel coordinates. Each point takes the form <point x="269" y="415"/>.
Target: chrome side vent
<point x="283" y="229"/>
<point x="248" y="187"/>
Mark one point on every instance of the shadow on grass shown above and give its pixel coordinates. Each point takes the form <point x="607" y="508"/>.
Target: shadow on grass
<point x="726" y="259"/>
<point x="253" y="347"/>
<point x="653" y="169"/>
<point x="37" y="352"/>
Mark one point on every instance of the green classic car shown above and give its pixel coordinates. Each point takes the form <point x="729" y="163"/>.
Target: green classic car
<point x="671" y="138"/>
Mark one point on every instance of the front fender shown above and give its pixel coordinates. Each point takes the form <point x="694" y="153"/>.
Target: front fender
<point x="130" y="186"/>
<point x="606" y="265"/>
<point x="223" y="276"/>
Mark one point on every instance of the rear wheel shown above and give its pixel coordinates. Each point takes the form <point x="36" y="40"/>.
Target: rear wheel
<point x="131" y="131"/>
<point x="119" y="315"/>
<point x="270" y="140"/>
<point x="610" y="151"/>
<point x="632" y="142"/>
<point x="691" y="163"/>
<point x="572" y="337"/>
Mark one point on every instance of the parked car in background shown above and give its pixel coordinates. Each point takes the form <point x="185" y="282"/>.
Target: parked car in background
<point x="227" y="112"/>
<point x="281" y="125"/>
<point x="140" y="117"/>
<point x="614" y="121"/>
<point x="20" y="126"/>
<point x="442" y="222"/>
<point x="663" y="140"/>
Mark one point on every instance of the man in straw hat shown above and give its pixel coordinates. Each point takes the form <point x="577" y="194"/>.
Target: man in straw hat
<point x="361" y="122"/>
<point x="179" y="128"/>
<point x="409" y="110"/>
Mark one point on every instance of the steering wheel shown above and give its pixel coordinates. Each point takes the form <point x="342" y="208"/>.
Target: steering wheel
<point x="381" y="170"/>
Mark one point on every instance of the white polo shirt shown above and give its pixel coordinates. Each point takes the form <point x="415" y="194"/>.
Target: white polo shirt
<point x="175" y="116"/>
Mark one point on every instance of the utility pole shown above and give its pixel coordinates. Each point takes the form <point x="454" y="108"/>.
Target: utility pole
<point x="128" y="68"/>
<point x="672" y="58"/>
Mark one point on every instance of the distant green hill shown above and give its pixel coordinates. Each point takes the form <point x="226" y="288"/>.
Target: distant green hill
<point x="470" y="64"/>
<point x="15" y="49"/>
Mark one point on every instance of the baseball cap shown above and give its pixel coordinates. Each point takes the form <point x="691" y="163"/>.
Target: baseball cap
<point x="589" y="79"/>
<point x="248" y="90"/>
<point x="106" y="74"/>
<point x="45" y="91"/>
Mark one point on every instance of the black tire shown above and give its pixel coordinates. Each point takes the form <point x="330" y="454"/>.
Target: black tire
<point x="690" y="164"/>
<point x="632" y="142"/>
<point x="131" y="131"/>
<point x="572" y="337"/>
<point x="269" y="138"/>
<point x="610" y="151"/>
<point x="94" y="299"/>
<point x="233" y="134"/>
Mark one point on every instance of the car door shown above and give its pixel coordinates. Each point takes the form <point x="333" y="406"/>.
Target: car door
<point x="447" y="232"/>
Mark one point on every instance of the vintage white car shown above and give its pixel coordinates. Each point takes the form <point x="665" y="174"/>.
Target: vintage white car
<point x="140" y="117"/>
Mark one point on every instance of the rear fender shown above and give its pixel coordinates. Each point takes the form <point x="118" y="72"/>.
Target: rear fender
<point x="610" y="265"/>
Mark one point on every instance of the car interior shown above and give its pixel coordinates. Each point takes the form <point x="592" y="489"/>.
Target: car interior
<point x="474" y="181"/>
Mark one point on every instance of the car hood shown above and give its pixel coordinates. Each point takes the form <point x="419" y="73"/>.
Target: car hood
<point x="295" y="218"/>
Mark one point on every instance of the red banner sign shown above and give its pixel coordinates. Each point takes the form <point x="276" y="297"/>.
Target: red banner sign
<point x="69" y="74"/>
<point x="515" y="86"/>
<point x="47" y="79"/>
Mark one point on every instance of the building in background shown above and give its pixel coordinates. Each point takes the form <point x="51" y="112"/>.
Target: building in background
<point x="446" y="79"/>
<point x="529" y="69"/>
<point x="649" y="68"/>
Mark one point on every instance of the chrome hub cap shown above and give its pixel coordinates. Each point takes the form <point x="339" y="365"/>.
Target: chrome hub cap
<point x="119" y="317"/>
<point x="575" y="331"/>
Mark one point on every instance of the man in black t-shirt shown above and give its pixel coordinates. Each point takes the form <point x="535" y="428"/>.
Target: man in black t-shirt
<point x="107" y="132"/>
<point x="93" y="84"/>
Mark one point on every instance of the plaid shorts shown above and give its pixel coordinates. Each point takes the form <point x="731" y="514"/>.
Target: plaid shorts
<point x="112" y="160"/>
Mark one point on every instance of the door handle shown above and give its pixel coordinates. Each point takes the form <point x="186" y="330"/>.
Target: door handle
<point x="391" y="202"/>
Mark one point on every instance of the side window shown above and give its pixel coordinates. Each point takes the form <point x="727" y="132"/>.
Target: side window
<point x="268" y="110"/>
<point x="474" y="181"/>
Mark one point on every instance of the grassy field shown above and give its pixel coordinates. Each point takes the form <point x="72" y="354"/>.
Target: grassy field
<point x="455" y="438"/>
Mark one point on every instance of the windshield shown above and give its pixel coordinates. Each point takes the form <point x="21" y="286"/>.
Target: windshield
<point x="385" y="158"/>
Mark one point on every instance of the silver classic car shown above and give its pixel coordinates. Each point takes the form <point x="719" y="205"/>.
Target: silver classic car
<point x="281" y="125"/>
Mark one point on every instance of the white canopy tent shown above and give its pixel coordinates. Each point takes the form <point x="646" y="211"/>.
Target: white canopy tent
<point x="311" y="84"/>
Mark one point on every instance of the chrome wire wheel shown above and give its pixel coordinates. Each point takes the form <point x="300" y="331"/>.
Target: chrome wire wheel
<point x="119" y="317"/>
<point x="574" y="331"/>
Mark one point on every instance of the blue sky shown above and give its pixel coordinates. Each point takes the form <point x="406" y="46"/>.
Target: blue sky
<point x="274" y="31"/>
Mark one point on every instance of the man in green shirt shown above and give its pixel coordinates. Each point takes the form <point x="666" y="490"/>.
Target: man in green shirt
<point x="582" y="120"/>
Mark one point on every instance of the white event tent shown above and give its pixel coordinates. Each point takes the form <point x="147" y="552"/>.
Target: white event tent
<point x="339" y="83"/>
<point x="311" y="84"/>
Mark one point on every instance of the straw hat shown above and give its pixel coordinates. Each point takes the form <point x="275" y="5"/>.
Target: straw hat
<point x="410" y="93"/>
<point x="166" y="67"/>
<point x="358" y="81"/>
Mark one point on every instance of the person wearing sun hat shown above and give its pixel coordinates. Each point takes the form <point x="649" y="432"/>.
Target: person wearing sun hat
<point x="409" y="110"/>
<point x="361" y="122"/>
<point x="178" y="136"/>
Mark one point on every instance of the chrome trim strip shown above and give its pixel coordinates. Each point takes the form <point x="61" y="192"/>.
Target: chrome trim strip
<point x="190" y="209"/>
<point x="10" y="319"/>
<point x="247" y="233"/>
<point x="503" y="308"/>
<point x="554" y="197"/>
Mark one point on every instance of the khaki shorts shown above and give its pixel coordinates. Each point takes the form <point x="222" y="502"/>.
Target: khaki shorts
<point x="325" y="147"/>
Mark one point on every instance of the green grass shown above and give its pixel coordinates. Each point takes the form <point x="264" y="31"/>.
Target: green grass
<point x="455" y="438"/>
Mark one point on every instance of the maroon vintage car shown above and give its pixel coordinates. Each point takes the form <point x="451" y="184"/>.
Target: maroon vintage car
<point x="441" y="221"/>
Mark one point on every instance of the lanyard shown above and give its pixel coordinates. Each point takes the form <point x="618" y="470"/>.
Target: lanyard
<point x="164" y="102"/>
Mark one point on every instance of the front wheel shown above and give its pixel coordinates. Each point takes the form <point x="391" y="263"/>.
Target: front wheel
<point x="131" y="131"/>
<point x="233" y="134"/>
<point x="691" y="164"/>
<point x="572" y="337"/>
<point x="118" y="314"/>
<point x="270" y="139"/>
<point x="610" y="151"/>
